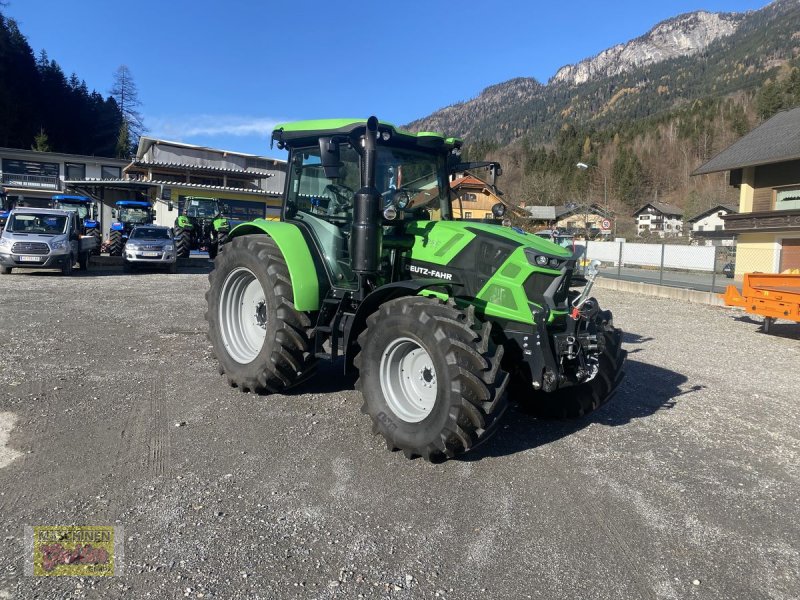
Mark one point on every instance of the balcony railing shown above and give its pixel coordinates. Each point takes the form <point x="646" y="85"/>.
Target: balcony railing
<point x="31" y="181"/>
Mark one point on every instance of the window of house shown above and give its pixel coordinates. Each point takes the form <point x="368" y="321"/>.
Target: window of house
<point x="469" y="197"/>
<point x="108" y="172"/>
<point x="718" y="227"/>
<point x="701" y="228"/>
<point x="467" y="215"/>
<point x="787" y="199"/>
<point x="74" y="171"/>
<point x="644" y="217"/>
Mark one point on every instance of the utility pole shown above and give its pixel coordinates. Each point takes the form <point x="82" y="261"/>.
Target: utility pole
<point x="585" y="167"/>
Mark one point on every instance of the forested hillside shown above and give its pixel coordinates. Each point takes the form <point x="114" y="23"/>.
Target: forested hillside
<point x="643" y="129"/>
<point x="42" y="108"/>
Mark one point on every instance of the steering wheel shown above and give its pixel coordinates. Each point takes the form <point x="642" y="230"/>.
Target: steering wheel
<point x="340" y="197"/>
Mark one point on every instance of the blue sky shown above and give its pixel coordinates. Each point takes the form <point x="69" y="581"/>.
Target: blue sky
<point x="221" y="73"/>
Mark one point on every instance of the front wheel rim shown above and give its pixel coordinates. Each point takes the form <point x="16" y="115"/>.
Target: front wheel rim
<point x="242" y="315"/>
<point x="408" y="380"/>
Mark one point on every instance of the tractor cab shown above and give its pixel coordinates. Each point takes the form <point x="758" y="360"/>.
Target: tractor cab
<point x="88" y="213"/>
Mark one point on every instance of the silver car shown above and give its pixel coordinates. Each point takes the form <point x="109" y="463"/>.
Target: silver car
<point x="152" y="245"/>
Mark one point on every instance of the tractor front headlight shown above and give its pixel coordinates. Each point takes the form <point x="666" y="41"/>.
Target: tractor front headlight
<point x="541" y="260"/>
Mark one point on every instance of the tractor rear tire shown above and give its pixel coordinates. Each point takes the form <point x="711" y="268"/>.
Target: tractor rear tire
<point x="580" y="400"/>
<point x="431" y="377"/>
<point x="95" y="233"/>
<point x="183" y="242"/>
<point x="258" y="336"/>
<point x="115" y="243"/>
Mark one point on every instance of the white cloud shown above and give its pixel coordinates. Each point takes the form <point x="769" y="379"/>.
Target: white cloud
<point x="186" y="127"/>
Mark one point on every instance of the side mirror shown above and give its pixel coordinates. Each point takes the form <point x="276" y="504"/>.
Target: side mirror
<point x="170" y="206"/>
<point x="329" y="154"/>
<point x="498" y="210"/>
<point x="113" y="213"/>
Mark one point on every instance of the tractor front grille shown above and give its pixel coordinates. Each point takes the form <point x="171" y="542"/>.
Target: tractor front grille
<point x="30" y="248"/>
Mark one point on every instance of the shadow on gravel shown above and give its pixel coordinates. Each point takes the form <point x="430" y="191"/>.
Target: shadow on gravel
<point x="521" y="431"/>
<point x="634" y="338"/>
<point x="111" y="272"/>
<point x="789" y="330"/>
<point x="327" y="378"/>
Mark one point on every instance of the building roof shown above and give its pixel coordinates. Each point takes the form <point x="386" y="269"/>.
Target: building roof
<point x="174" y="184"/>
<point x="775" y="140"/>
<point x="662" y="207"/>
<point x="145" y="143"/>
<point x="204" y="169"/>
<point x="44" y="156"/>
<point x="469" y="180"/>
<point x="729" y="207"/>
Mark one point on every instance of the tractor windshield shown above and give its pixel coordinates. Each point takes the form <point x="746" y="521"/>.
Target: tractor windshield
<point x="81" y="209"/>
<point x="201" y="208"/>
<point x="133" y="215"/>
<point x="413" y="181"/>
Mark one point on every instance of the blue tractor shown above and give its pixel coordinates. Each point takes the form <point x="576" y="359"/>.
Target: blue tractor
<point x="88" y="214"/>
<point x="127" y="214"/>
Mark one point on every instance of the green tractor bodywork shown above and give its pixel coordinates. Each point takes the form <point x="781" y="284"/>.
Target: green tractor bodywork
<point x="442" y="319"/>
<point x="201" y="226"/>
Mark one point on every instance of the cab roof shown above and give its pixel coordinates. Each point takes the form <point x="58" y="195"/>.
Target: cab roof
<point x="133" y="203"/>
<point x="73" y="198"/>
<point x="304" y="133"/>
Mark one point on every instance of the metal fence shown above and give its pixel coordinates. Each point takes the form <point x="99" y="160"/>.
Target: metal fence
<point x="703" y="268"/>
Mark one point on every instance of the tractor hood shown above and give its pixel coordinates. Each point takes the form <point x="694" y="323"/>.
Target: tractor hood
<point x="457" y="234"/>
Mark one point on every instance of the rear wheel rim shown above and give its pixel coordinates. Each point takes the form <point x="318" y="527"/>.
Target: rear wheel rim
<point x="242" y="315"/>
<point x="408" y="380"/>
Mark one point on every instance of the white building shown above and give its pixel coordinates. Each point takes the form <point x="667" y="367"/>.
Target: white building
<point x="709" y="227"/>
<point x="663" y="219"/>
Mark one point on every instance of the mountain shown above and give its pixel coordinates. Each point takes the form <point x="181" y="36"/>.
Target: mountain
<point x="692" y="56"/>
<point x="685" y="35"/>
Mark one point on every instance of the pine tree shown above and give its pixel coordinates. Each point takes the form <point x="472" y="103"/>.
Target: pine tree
<point x="126" y="94"/>
<point x="41" y="143"/>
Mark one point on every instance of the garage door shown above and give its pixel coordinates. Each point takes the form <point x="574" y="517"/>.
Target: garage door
<point x="790" y="255"/>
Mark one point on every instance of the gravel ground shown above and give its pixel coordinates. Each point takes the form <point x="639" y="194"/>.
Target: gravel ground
<point x="112" y="412"/>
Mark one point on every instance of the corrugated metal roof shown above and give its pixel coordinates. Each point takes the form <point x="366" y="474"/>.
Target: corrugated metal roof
<point x="176" y="165"/>
<point x="257" y="192"/>
<point x="542" y="213"/>
<point x="775" y="140"/>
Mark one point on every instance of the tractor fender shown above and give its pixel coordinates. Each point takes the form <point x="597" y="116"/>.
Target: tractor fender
<point x="390" y="291"/>
<point x="296" y="253"/>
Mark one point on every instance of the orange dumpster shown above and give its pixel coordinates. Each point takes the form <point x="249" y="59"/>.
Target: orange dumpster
<point x="770" y="295"/>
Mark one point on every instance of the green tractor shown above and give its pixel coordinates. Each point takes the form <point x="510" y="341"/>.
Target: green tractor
<point x="442" y="320"/>
<point x="202" y="225"/>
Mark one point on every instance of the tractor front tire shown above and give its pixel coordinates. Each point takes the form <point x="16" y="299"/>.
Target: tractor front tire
<point x="258" y="336"/>
<point x="183" y="242"/>
<point x="431" y="377"/>
<point x="115" y="243"/>
<point x="580" y="400"/>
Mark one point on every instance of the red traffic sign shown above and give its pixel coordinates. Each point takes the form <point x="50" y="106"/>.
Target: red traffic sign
<point x="605" y="224"/>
